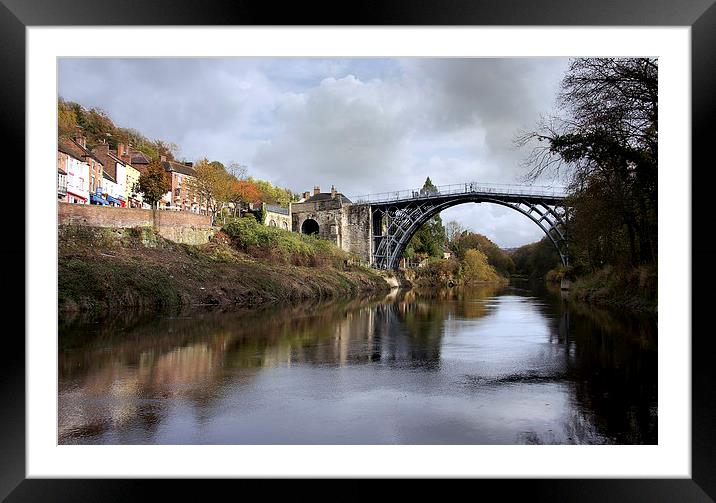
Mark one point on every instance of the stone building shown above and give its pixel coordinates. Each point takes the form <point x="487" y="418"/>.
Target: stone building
<point x="332" y="216"/>
<point x="277" y="216"/>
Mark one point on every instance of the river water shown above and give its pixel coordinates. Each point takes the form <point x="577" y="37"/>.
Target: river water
<point x="481" y="365"/>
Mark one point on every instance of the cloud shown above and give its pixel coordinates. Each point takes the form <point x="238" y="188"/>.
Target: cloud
<point x="365" y="125"/>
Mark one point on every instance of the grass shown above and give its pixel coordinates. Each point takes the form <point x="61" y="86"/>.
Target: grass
<point x="634" y="288"/>
<point x="273" y="244"/>
<point x="102" y="269"/>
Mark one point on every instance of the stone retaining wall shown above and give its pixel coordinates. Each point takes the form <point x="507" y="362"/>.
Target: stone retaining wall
<point x="177" y="226"/>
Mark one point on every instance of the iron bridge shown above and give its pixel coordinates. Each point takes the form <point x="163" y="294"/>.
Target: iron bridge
<point x="396" y="216"/>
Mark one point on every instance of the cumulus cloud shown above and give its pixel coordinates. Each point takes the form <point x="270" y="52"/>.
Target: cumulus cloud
<point x="366" y="125"/>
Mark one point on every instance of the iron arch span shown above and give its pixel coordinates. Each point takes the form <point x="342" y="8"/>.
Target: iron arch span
<point x="394" y="225"/>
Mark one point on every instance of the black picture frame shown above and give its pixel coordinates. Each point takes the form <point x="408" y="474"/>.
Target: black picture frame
<point x="700" y="15"/>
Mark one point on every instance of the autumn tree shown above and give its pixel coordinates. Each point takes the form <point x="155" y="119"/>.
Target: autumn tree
<point x="242" y="193"/>
<point x="154" y="182"/>
<point x="476" y="267"/>
<point x="66" y="120"/>
<point x="604" y="141"/>
<point x="497" y="258"/>
<point x="271" y="194"/>
<point x="211" y="184"/>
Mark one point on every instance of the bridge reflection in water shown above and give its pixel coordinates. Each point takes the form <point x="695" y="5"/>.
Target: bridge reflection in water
<point x="484" y="365"/>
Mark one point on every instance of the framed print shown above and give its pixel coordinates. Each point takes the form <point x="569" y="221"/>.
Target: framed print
<point x="251" y="383"/>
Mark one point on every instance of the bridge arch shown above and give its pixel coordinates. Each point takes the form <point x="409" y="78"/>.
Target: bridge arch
<point x="401" y="222"/>
<point x="309" y="226"/>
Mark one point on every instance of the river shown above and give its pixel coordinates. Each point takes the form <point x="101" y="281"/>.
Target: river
<point x="482" y="365"/>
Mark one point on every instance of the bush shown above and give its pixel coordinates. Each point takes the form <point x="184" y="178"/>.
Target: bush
<point x="279" y="245"/>
<point x="475" y="267"/>
<point x="438" y="271"/>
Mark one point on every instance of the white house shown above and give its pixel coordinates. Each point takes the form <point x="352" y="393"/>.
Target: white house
<point x="70" y="160"/>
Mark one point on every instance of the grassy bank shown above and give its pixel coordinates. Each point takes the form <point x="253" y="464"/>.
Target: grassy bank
<point x="634" y="289"/>
<point x="245" y="266"/>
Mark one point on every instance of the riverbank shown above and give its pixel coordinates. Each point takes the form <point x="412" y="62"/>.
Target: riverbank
<point x="103" y="269"/>
<point x="633" y="289"/>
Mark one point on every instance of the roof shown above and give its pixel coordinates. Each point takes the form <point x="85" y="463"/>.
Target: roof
<point x="179" y="168"/>
<point x="277" y="209"/>
<point x="71" y="147"/>
<point x="117" y="158"/>
<point x="67" y="148"/>
<point x="137" y="157"/>
<point x="325" y="196"/>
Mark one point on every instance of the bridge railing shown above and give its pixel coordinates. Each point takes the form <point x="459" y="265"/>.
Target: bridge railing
<point x="461" y="188"/>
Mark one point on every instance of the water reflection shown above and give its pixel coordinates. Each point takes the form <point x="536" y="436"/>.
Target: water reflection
<point x="479" y="365"/>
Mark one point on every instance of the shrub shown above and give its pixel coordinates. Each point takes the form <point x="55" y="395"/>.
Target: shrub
<point x="438" y="271"/>
<point x="476" y="268"/>
<point x="279" y="245"/>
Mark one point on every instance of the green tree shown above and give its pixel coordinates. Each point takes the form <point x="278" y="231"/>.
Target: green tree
<point x="536" y="259"/>
<point x="429" y="240"/>
<point x="428" y="188"/>
<point x="154" y="182"/>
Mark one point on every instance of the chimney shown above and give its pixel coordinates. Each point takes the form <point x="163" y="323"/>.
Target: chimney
<point x="163" y="158"/>
<point x="102" y="148"/>
<point x="123" y="152"/>
<point x="316" y="190"/>
<point x="81" y="140"/>
<point x="333" y="191"/>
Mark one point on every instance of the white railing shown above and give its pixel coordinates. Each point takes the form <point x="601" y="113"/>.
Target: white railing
<point x="462" y="188"/>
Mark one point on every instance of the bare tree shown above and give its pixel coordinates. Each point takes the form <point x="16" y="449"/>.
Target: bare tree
<point x="453" y="230"/>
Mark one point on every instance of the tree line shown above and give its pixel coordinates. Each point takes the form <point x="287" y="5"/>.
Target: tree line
<point x="603" y="141"/>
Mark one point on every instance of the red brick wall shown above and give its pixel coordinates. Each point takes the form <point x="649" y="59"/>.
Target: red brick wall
<point x="103" y="216"/>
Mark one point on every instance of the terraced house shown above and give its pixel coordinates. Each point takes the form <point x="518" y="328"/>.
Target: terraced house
<point x="122" y="173"/>
<point x="182" y="196"/>
<point x="83" y="171"/>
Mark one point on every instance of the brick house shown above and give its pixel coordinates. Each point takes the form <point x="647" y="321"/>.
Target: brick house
<point x="139" y="160"/>
<point x="182" y="195"/>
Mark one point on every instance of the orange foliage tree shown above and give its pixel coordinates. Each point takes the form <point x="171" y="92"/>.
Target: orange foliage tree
<point x="243" y="191"/>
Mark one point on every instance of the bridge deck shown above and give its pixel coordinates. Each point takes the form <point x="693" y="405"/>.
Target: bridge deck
<point x="487" y="190"/>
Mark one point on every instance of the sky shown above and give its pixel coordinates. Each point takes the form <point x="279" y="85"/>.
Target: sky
<point x="365" y="125"/>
